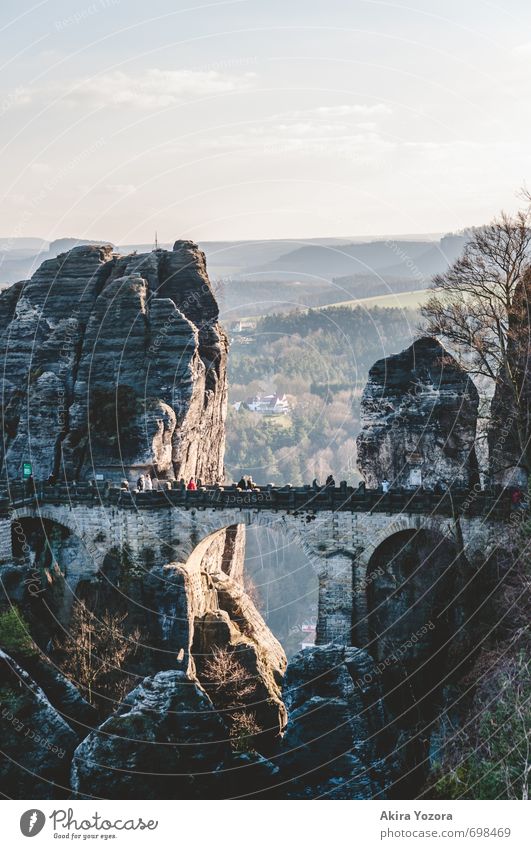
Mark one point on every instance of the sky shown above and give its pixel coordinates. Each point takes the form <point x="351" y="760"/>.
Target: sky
<point x="254" y="119"/>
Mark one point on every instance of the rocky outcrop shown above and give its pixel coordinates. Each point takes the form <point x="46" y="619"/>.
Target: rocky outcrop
<point x="419" y="413"/>
<point x="166" y="730"/>
<point x="37" y="743"/>
<point x="186" y="610"/>
<point x="166" y="742"/>
<point x="114" y="365"/>
<point x="336" y="744"/>
<point x="202" y="605"/>
<point x="509" y="435"/>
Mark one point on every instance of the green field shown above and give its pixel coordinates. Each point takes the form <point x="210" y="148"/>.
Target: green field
<point x="402" y="300"/>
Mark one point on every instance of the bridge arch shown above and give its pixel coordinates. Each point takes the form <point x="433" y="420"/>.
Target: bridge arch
<point x="398" y="524"/>
<point x="201" y="522"/>
<point x="93" y="541"/>
<point x="53" y="558"/>
<point x="272" y="531"/>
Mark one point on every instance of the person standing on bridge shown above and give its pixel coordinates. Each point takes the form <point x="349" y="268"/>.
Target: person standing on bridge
<point x="191" y="485"/>
<point x="140" y="483"/>
<point x="517" y="499"/>
<point x="148" y="483"/>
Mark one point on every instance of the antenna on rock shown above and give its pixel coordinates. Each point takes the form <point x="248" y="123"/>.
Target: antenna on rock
<point x="156" y="241"/>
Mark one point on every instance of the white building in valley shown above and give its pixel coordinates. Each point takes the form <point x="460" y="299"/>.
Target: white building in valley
<point x="269" y="405"/>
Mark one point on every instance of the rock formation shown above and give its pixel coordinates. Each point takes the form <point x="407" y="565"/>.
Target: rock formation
<point x="167" y="740"/>
<point x="419" y="413"/>
<point x="510" y="413"/>
<point x="37" y="743"/>
<point x="114" y="365"/>
<point x="336" y="744"/>
<point x="185" y="610"/>
<point x="167" y="730"/>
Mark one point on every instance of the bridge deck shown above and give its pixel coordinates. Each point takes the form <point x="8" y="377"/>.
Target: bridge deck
<point x="491" y="504"/>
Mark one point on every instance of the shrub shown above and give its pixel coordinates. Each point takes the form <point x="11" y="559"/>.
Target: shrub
<point x="491" y="757"/>
<point x="15" y="637"/>
<point x="244" y="730"/>
<point x="231" y="688"/>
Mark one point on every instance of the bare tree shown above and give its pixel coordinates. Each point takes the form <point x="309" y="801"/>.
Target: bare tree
<point x="232" y="689"/>
<point x="95" y="652"/>
<point x="227" y="679"/>
<point x="479" y="308"/>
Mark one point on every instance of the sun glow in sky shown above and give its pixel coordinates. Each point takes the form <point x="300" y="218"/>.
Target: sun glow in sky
<point x="260" y="118"/>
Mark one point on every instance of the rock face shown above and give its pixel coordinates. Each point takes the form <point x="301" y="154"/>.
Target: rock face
<point x="336" y="744"/>
<point x="114" y="365"/>
<point x="166" y="730"/>
<point x="166" y="742"/>
<point x="419" y="414"/>
<point x="37" y="743"/>
<point x="186" y="610"/>
<point x="510" y="423"/>
<point x="202" y="605"/>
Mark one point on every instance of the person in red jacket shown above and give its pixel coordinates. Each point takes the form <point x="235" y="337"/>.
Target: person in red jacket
<point x="517" y="498"/>
<point x="191" y="485"/>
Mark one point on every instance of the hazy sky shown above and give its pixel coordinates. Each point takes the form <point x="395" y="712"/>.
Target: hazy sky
<point x="261" y="118"/>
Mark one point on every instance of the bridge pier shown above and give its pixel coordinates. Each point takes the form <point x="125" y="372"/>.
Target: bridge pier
<point x="5" y="540"/>
<point x="334" y="620"/>
<point x="360" y="622"/>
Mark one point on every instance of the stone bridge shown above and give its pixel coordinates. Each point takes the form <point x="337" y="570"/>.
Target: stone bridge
<point x="341" y="532"/>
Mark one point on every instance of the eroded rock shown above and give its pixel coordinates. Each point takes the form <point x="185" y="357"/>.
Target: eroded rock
<point x="336" y="744"/>
<point x="166" y="742"/>
<point x="115" y="365"/>
<point x="37" y="743"/>
<point x="419" y="413"/>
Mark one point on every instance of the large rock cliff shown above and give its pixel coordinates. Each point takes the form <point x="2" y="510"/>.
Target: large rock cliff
<point x="114" y="365"/>
<point x="510" y="413"/>
<point x="419" y="413"/>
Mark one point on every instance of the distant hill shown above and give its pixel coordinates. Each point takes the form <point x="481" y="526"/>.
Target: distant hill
<point x="392" y="258"/>
<point x="23" y="243"/>
<point x="279" y="275"/>
<point x="20" y="258"/>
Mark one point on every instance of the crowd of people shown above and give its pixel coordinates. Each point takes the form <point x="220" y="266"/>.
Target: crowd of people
<point x="145" y="483"/>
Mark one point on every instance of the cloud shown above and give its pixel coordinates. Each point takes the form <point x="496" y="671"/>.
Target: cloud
<point x="346" y="110"/>
<point x="124" y="189"/>
<point x="153" y="89"/>
<point x="13" y="99"/>
<point x="295" y="139"/>
<point x="341" y="129"/>
<point x="522" y="51"/>
<point x="306" y="130"/>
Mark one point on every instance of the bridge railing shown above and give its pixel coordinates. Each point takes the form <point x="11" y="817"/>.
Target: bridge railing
<point x="454" y="502"/>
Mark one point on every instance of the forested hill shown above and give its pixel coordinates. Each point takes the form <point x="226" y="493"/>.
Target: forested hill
<point x="320" y="359"/>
